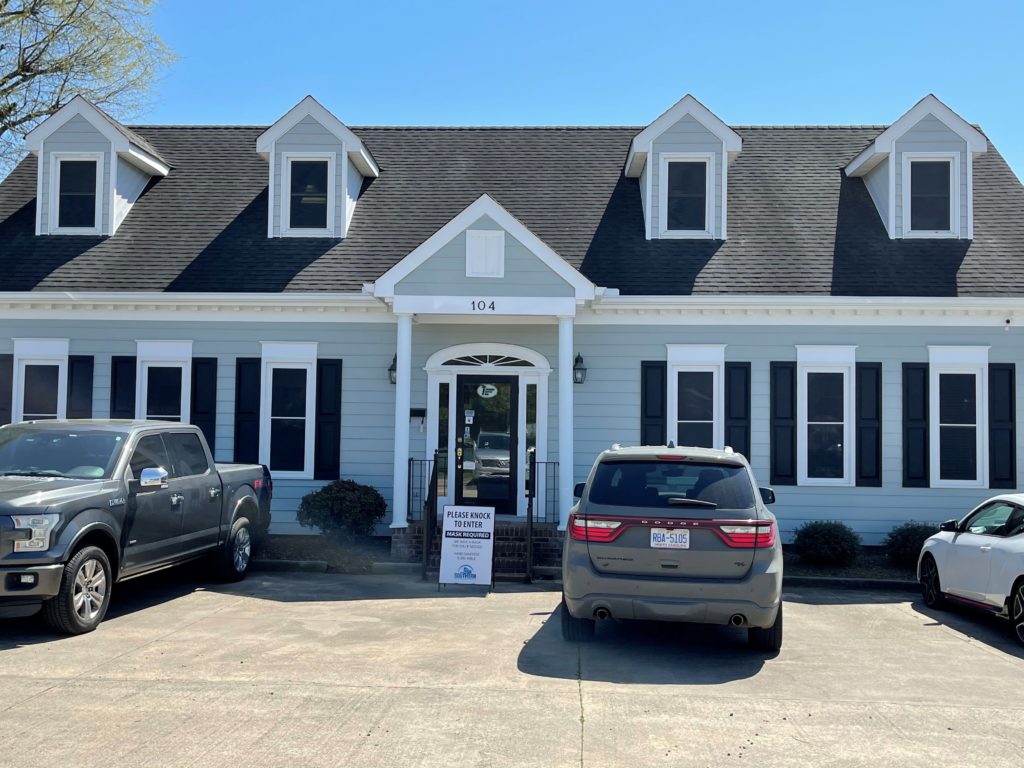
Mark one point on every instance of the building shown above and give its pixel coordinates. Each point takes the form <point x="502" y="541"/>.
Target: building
<point x="842" y="304"/>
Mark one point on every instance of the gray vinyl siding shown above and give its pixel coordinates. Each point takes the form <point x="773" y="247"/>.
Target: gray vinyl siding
<point x="688" y="135"/>
<point x="930" y="135"/>
<point x="76" y="135"/>
<point x="368" y="401"/>
<point x="355" y="184"/>
<point x="607" y="409"/>
<point x="308" y="136"/>
<point x="128" y="186"/>
<point x="877" y="182"/>
<point x="444" y="273"/>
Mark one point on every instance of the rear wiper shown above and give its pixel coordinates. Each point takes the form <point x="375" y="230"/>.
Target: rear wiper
<point x="682" y="501"/>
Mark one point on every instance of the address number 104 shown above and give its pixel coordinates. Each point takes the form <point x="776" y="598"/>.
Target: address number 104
<point x="483" y="305"/>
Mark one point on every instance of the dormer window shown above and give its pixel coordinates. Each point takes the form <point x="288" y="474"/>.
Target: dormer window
<point x="310" y="208"/>
<point x="76" y="204"/>
<point x="933" y="202"/>
<point x="687" y="194"/>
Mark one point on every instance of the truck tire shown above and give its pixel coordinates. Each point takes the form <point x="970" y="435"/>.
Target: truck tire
<point x="84" y="594"/>
<point x="232" y="562"/>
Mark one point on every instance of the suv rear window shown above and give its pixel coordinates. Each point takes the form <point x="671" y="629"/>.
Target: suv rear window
<point x="652" y="483"/>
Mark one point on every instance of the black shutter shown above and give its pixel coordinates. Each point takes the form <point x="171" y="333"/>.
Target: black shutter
<point x="204" y="398"/>
<point x="247" y="410"/>
<point x="80" y="369"/>
<point x="327" y="444"/>
<point x="122" y="388"/>
<point x="653" y="394"/>
<point x="915" y="425"/>
<point x="783" y="423"/>
<point x="1002" y="418"/>
<point x="869" y="424"/>
<point x="6" y="387"/>
<point x="737" y="407"/>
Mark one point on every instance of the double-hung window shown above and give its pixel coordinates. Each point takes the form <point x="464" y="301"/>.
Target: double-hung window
<point x="696" y="394"/>
<point x="686" y="194"/>
<point x="75" y="193"/>
<point x="40" y="379"/>
<point x="931" y="194"/>
<point x="825" y="450"/>
<point x="287" y="405"/>
<point x="164" y="376"/>
<point x="958" y="388"/>
<point x="308" y="206"/>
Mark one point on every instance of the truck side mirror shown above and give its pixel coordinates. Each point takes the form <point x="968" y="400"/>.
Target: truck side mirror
<point x="767" y="495"/>
<point x="152" y="479"/>
<point x="577" y="490"/>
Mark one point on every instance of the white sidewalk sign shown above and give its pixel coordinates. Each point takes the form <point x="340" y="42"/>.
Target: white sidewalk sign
<point x="467" y="545"/>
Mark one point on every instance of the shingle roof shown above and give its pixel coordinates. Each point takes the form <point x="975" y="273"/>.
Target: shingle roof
<point x="797" y="225"/>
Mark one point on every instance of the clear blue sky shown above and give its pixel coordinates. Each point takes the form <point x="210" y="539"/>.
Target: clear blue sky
<point x="527" y="62"/>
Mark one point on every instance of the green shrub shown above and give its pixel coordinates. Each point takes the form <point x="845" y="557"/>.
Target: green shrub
<point x="343" y="506"/>
<point x="826" y="542"/>
<point x="903" y="543"/>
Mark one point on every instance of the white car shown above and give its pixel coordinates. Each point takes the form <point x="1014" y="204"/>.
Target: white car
<point x="979" y="561"/>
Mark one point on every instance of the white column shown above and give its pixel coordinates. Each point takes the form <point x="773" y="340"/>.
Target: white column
<point x="403" y="386"/>
<point x="565" y="421"/>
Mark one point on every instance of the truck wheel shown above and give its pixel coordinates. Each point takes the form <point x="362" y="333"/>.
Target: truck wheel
<point x="768" y="639"/>
<point x="233" y="560"/>
<point x="84" y="594"/>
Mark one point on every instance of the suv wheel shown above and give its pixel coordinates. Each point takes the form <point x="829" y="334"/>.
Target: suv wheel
<point x="573" y="629"/>
<point x="84" y="594"/>
<point x="769" y="639"/>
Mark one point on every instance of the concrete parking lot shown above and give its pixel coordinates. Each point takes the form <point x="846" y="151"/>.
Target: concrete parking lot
<point x="325" y="670"/>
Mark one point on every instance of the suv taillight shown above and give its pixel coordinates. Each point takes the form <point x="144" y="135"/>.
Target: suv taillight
<point x="589" y="529"/>
<point x="753" y="535"/>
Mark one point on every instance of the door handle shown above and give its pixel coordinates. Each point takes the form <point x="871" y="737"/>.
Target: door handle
<point x="985" y="547"/>
<point x="214" y="493"/>
<point x="176" y="499"/>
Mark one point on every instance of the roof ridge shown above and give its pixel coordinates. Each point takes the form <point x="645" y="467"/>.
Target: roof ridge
<point x="225" y="126"/>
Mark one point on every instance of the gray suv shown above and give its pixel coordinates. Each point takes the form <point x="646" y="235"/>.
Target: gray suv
<point x="673" y="534"/>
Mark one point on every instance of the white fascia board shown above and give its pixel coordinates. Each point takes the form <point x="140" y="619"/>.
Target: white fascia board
<point x="688" y="105"/>
<point x="144" y="161"/>
<point x="485" y="205"/>
<point x="77" y="106"/>
<point x="929" y="105"/>
<point x="310" y="107"/>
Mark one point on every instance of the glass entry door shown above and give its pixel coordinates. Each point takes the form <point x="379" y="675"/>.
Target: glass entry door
<point x="486" y="442"/>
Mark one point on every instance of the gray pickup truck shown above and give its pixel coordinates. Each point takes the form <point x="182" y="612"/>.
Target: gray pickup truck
<point x="85" y="504"/>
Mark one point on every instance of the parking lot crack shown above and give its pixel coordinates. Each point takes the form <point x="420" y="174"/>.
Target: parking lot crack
<point x="579" y="688"/>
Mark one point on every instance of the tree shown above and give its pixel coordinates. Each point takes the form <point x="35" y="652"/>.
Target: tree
<point x="51" y="50"/>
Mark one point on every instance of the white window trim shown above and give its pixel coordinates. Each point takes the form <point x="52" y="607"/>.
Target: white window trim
<point x="56" y="158"/>
<point x="953" y="158"/>
<point x="485" y="235"/>
<point x="973" y="360"/>
<point x="299" y="355"/>
<point x="39" y="352"/>
<point x="696" y="357"/>
<point x="826" y="359"/>
<point x="664" y="159"/>
<point x="286" y="190"/>
<point x="163" y="354"/>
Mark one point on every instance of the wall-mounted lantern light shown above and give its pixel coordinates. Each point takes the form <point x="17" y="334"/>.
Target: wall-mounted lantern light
<point x="579" y="371"/>
<point x="393" y="370"/>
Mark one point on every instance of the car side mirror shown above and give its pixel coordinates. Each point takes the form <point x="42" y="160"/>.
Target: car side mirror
<point x="152" y="479"/>
<point x="767" y="495"/>
<point x="577" y="490"/>
<point x="950" y="526"/>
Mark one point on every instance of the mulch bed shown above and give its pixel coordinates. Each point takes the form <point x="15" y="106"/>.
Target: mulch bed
<point x="355" y="556"/>
<point x="872" y="563"/>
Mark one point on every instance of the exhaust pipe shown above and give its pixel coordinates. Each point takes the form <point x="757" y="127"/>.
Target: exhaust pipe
<point x="602" y="614"/>
<point x="737" y="620"/>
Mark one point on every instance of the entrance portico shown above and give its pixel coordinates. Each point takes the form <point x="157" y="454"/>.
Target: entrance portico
<point x="486" y="270"/>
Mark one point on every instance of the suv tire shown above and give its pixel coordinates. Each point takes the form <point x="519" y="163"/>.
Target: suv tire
<point x="769" y="639"/>
<point x="84" y="594"/>
<point x="573" y="629"/>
